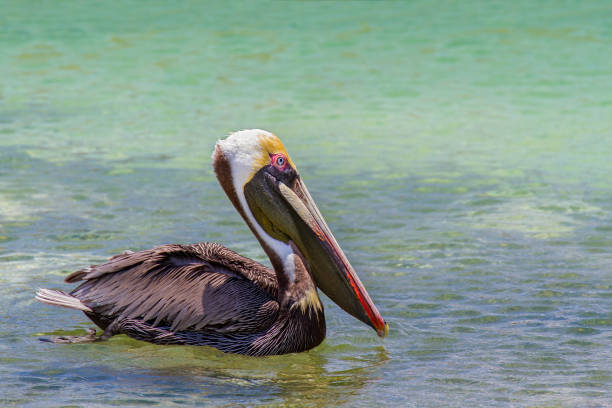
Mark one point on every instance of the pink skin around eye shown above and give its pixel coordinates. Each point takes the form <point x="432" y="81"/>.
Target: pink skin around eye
<point x="279" y="161"/>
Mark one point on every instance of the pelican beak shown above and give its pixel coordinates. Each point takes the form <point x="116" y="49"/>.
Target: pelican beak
<point x="286" y="211"/>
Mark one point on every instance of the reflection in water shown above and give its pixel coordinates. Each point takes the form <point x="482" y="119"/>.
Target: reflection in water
<point x="317" y="378"/>
<point x="313" y="384"/>
<point x="123" y="371"/>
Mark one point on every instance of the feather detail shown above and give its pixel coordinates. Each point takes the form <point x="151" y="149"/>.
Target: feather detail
<point x="59" y="298"/>
<point x="182" y="287"/>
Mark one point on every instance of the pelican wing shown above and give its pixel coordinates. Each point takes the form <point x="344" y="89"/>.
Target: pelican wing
<point x="200" y="286"/>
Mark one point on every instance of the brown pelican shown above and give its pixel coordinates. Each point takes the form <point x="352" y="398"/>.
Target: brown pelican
<point x="206" y="294"/>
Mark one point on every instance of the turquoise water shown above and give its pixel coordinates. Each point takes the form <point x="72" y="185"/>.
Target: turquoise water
<point x="460" y="152"/>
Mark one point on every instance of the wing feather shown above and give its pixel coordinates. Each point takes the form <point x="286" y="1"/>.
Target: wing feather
<point x="199" y="286"/>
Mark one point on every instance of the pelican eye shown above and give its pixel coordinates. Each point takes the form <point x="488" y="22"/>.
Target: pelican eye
<point x="279" y="161"/>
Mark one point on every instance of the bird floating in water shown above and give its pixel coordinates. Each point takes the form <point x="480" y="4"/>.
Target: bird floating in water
<point x="205" y="294"/>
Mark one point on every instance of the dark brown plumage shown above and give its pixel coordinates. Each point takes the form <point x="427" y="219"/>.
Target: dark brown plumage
<point x="200" y="294"/>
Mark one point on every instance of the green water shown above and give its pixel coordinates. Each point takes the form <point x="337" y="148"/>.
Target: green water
<point x="460" y="151"/>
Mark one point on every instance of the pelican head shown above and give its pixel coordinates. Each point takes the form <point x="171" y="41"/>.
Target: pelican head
<point x="264" y="185"/>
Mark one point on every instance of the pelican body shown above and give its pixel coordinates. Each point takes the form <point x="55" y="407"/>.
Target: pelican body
<point x="206" y="294"/>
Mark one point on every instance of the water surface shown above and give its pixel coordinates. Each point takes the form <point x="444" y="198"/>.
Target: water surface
<point x="460" y="152"/>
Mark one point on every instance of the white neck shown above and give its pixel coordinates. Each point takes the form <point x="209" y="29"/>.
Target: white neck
<point x="243" y="150"/>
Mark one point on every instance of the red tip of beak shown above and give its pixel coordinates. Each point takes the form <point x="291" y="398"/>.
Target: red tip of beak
<point x="383" y="331"/>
